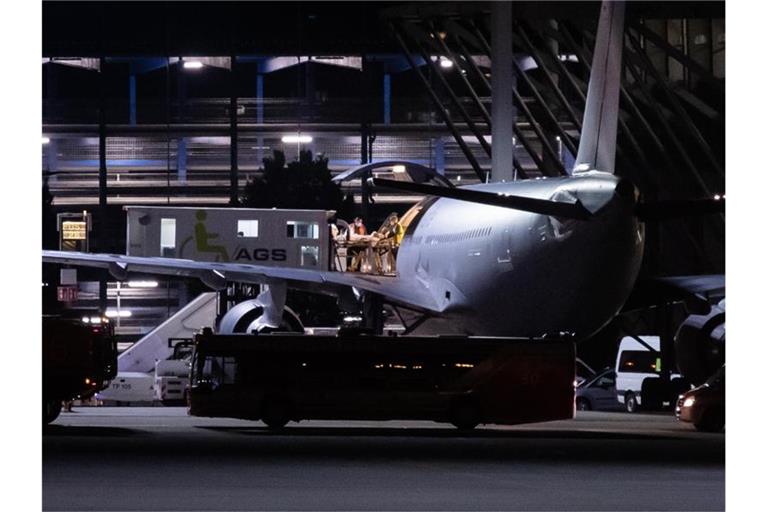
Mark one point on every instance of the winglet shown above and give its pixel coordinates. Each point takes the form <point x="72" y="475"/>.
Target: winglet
<point x="597" y="148"/>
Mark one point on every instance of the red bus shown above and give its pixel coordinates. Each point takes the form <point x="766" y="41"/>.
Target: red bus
<point x="279" y="378"/>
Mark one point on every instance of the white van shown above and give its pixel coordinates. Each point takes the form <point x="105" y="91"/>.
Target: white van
<point x="634" y="364"/>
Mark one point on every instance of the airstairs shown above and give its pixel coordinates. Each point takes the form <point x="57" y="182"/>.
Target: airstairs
<point x="141" y="357"/>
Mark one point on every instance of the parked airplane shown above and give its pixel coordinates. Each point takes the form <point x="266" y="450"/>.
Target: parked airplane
<point x="523" y="258"/>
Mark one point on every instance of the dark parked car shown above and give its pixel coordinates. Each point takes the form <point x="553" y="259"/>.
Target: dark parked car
<point x="598" y="393"/>
<point x="704" y="406"/>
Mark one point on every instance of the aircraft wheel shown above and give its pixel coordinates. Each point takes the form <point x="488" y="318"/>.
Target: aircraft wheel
<point x="630" y="402"/>
<point x="51" y="410"/>
<point x="582" y="404"/>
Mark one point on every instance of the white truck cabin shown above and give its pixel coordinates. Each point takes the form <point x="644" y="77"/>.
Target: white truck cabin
<point x="272" y="237"/>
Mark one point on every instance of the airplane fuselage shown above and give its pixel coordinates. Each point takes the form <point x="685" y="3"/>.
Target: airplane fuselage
<point x="498" y="271"/>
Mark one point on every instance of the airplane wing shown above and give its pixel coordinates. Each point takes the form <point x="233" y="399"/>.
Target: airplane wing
<point x="411" y="293"/>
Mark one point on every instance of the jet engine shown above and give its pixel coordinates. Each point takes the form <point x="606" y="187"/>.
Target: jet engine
<point x="700" y="345"/>
<point x="266" y="312"/>
<point x="249" y="316"/>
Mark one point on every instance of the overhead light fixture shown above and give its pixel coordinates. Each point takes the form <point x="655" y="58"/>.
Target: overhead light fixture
<point x="142" y="284"/>
<point x="192" y="64"/>
<point x="446" y="63"/>
<point x="303" y="139"/>
<point x="46" y="140"/>
<point x="112" y="313"/>
<point x="398" y="168"/>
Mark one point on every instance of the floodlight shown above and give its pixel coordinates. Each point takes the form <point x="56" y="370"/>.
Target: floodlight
<point x="192" y="64"/>
<point x="142" y="284"/>
<point x="123" y="313"/>
<point x="303" y="139"/>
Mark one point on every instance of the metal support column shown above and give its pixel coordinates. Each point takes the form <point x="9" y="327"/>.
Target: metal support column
<point x="373" y="317"/>
<point x="365" y="189"/>
<point x="181" y="160"/>
<point x="387" y="99"/>
<point x="52" y="157"/>
<point x="181" y="143"/>
<point x="260" y="115"/>
<point x="503" y="83"/>
<point x="440" y="156"/>
<point x="102" y="231"/>
<point x="233" y="171"/>
<point x="132" y="96"/>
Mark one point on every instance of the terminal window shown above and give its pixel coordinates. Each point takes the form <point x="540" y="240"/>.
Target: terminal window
<point x="168" y="237"/>
<point x="247" y="228"/>
<point x="310" y="255"/>
<point x="298" y="229"/>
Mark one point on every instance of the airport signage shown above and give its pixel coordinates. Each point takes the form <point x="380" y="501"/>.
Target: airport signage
<point x="66" y="293"/>
<point x="261" y="255"/>
<point x="73" y="229"/>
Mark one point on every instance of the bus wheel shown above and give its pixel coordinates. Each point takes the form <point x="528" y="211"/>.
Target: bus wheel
<point x="51" y="410"/>
<point x="630" y="401"/>
<point x="464" y="415"/>
<point x="275" y="413"/>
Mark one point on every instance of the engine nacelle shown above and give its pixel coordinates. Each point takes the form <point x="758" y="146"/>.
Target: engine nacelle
<point x="248" y="316"/>
<point x="700" y="345"/>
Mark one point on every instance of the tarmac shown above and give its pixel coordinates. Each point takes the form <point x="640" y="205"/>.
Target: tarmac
<point x="159" y="458"/>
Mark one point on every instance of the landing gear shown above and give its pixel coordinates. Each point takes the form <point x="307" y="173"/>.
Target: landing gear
<point x="582" y="404"/>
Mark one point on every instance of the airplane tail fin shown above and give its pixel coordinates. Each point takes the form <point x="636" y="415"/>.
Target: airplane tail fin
<point x="597" y="148"/>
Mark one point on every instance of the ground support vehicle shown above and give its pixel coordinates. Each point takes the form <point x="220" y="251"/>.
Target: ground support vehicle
<point x="704" y="406"/>
<point x="79" y="359"/>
